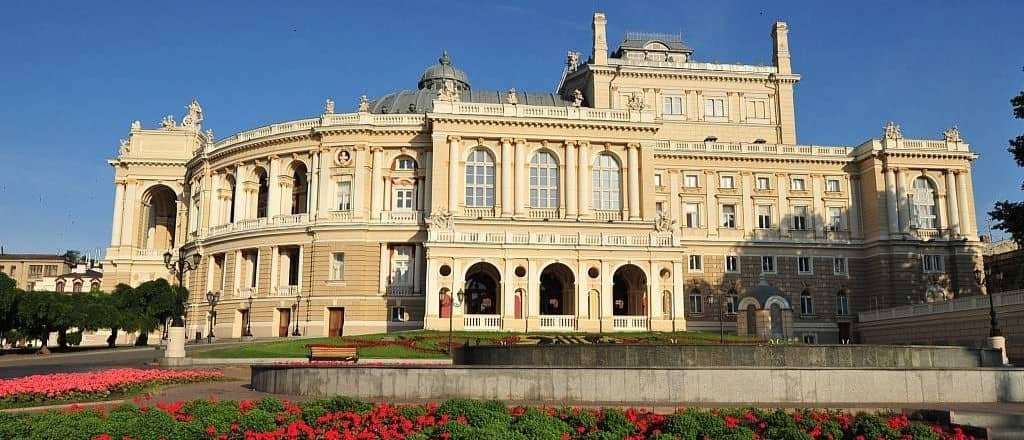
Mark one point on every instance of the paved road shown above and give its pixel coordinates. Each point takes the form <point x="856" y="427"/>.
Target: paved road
<point x="23" y="365"/>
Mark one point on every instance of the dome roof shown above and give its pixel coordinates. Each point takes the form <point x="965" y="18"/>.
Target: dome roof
<point x="435" y="76"/>
<point x="763" y="292"/>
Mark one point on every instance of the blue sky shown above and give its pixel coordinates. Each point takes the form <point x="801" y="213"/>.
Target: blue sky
<point x="75" y="75"/>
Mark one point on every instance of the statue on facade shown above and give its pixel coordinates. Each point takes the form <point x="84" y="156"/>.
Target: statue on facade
<point x="194" y="117"/>
<point x="572" y="60"/>
<point x="329" y="106"/>
<point x="952" y="134"/>
<point x="168" y="122"/>
<point x="209" y="134"/>
<point x="442" y="221"/>
<point x="125" y="147"/>
<point x="892" y="131"/>
<point x="511" y="97"/>
<point x="448" y="92"/>
<point x="364" y="104"/>
<point x="136" y="125"/>
<point x="663" y="223"/>
<point x="635" y="103"/>
<point x="577" y="98"/>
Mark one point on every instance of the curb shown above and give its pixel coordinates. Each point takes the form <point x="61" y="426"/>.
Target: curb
<point x="33" y="357"/>
<point x="268" y="361"/>
<point x="63" y="406"/>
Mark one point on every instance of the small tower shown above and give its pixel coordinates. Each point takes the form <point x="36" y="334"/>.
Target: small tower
<point x="600" y="54"/>
<point x="780" y="52"/>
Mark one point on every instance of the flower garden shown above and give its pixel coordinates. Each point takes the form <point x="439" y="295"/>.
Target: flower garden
<point x="343" y="418"/>
<point x="52" y="389"/>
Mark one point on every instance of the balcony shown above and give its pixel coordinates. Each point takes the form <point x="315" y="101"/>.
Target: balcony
<point x="544" y="213"/>
<point x="478" y="212"/>
<point x="401" y="217"/>
<point x="481" y="322"/>
<point x="151" y="254"/>
<point x="651" y="239"/>
<point x="931" y="234"/>
<point x="340" y="215"/>
<point x="558" y="323"/>
<point x="625" y="323"/>
<point x="397" y="290"/>
<point x="286" y="291"/>
<point x="291" y="219"/>
<point x="608" y="216"/>
<point x="245" y="292"/>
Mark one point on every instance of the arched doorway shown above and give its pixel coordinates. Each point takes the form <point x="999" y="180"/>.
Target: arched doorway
<point x="629" y="289"/>
<point x="300" y="188"/>
<point x="482" y="293"/>
<point x="557" y="287"/>
<point x="262" y="193"/>
<point x="161" y="209"/>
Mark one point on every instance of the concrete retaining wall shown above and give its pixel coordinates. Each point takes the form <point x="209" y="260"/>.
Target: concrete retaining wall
<point x="651" y="386"/>
<point x="690" y="356"/>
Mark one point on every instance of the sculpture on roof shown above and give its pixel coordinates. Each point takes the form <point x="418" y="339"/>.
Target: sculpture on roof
<point x="572" y="60"/>
<point x="329" y="106"/>
<point x="448" y="91"/>
<point x="209" y="134"/>
<point x="663" y="223"/>
<point x="511" y="97"/>
<point x="952" y="134"/>
<point x="194" y="117"/>
<point x="168" y="122"/>
<point x="577" y="98"/>
<point x="136" y="125"/>
<point x="635" y="103"/>
<point x="364" y="104"/>
<point x="892" y="131"/>
<point x="125" y="147"/>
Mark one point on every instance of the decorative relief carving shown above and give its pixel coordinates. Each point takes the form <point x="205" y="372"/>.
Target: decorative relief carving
<point x="892" y="131"/>
<point x="635" y="102"/>
<point x="125" y="147"/>
<point x="441" y="220"/>
<point x="194" y="117"/>
<point x="329" y="106"/>
<point x="663" y="223"/>
<point x="577" y="98"/>
<point x="448" y="91"/>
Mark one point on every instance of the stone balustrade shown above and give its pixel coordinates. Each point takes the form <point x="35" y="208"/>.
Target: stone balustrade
<point x="558" y="323"/>
<point x="481" y="322"/>
<point x="653" y="239"/>
<point x="752" y="148"/>
<point x="976" y="302"/>
<point x="286" y="291"/>
<point x="626" y="323"/>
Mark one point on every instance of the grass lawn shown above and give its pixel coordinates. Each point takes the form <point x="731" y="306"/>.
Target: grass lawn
<point x="423" y="344"/>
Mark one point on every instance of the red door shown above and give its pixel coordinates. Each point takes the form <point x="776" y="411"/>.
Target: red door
<point x="337" y="322"/>
<point x="284" y="323"/>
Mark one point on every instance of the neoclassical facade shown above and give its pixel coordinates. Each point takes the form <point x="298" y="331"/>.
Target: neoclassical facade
<point x="652" y="191"/>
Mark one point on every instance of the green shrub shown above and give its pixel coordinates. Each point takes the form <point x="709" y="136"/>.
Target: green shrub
<point x="921" y="431"/>
<point x="14" y="426"/>
<point x="74" y="338"/>
<point x="270" y="405"/>
<point x="578" y="417"/>
<point x="258" y="420"/>
<point x="459" y="431"/>
<point x="693" y="424"/>
<point x="345" y="403"/>
<point x="82" y="425"/>
<point x="477" y="413"/>
<point x="616" y="424"/>
<point x="219" y="415"/>
<point x="873" y="426"/>
<point x="129" y="421"/>
<point x="412" y="412"/>
<point x="535" y="424"/>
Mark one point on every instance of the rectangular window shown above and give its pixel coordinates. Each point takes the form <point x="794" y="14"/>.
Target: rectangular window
<point x="764" y="216"/>
<point x="763" y="183"/>
<point x="696" y="303"/>
<point x="832" y="185"/>
<point x="696" y="263"/>
<point x="691" y="215"/>
<point x="35" y="271"/>
<point x="732" y="264"/>
<point x="657" y="180"/>
<point x="727" y="182"/>
<point x="729" y="216"/>
<point x="842" y="305"/>
<point x="799" y="218"/>
<point x="799" y="184"/>
<point x="673" y="105"/>
<point x="401" y="266"/>
<point x="806" y="304"/>
<point x="690" y="181"/>
<point x="344" y="196"/>
<point x="398" y="313"/>
<point x="768" y="264"/>
<point x="839" y="266"/>
<point x="835" y="219"/>
<point x="932" y="263"/>
<point x="337" y="266"/>
<point x="810" y="338"/>
<point x="757" y="109"/>
<point x="403" y="199"/>
<point x="731" y="301"/>
<point x="714" y="107"/>
<point x="659" y="207"/>
<point x="250" y="260"/>
<point x="405" y="163"/>
<point x="803" y="265"/>
<point x="51" y="270"/>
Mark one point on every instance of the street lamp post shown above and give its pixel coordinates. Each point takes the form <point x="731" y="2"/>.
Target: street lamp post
<point x="212" y="298"/>
<point x="721" y="325"/>
<point x="983" y="280"/>
<point x="305" y="323"/>
<point x="295" y="313"/>
<point x="451" y="313"/>
<point x="179" y="267"/>
<point x="248" y="318"/>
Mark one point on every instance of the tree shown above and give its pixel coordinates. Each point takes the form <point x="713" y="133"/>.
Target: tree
<point x="72" y="256"/>
<point x="9" y="295"/>
<point x="35" y="316"/>
<point x="1009" y="216"/>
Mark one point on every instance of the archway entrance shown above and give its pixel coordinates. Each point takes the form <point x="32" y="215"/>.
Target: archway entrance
<point x="557" y="286"/>
<point x="629" y="290"/>
<point x="483" y="294"/>
<point x="161" y="210"/>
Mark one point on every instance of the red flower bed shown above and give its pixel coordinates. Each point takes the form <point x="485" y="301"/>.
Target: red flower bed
<point x="93" y="385"/>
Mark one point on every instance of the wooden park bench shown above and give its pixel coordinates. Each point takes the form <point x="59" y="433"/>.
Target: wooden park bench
<point x="325" y="352"/>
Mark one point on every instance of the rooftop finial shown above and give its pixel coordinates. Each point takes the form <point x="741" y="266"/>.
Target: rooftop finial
<point x="445" y="60"/>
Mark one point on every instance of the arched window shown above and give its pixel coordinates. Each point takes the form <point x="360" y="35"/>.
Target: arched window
<point x="543" y="181"/>
<point x="806" y="303"/>
<point x="925" y="204"/>
<point x="77" y="287"/>
<point x="262" y="194"/>
<point x="300" y="189"/>
<point x="94" y="287"/>
<point x="607" y="183"/>
<point x="229" y="210"/>
<point x="480" y="178"/>
<point x="60" y="286"/>
<point x="405" y="163"/>
<point x="842" y="303"/>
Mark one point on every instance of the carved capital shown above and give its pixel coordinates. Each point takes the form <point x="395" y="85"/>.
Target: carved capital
<point x="584" y="143"/>
<point x="519" y="141"/>
<point x="360" y="147"/>
<point x="376" y="149"/>
<point x="454" y="138"/>
<point x="506" y="140"/>
<point x="632" y="145"/>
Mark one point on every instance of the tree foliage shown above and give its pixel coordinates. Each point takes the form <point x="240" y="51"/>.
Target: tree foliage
<point x="1009" y="216"/>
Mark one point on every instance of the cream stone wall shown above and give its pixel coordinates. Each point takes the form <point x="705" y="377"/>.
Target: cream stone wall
<point x="389" y="191"/>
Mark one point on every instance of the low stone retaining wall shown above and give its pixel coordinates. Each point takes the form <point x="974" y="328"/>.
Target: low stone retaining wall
<point x="713" y="356"/>
<point x="648" y="386"/>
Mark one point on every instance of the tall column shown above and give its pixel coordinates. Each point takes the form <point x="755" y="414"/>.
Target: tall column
<point x="522" y="193"/>
<point x="313" y="198"/>
<point x="634" y="180"/>
<point x="901" y="199"/>
<point x="376" y="183"/>
<point x="967" y="226"/>
<point x="781" y="185"/>
<point x="853" y="183"/>
<point x="431" y="299"/>
<point x="583" y="187"/>
<point x="747" y="208"/>
<point x="675" y="203"/>
<point x="359" y="182"/>
<point x="710" y="203"/>
<point x="890" y="201"/>
<point x="213" y="204"/>
<point x="571" y="191"/>
<point x="385" y="271"/>
<point x="239" y="195"/>
<point x="428" y="181"/>
<point x="820" y="213"/>
<point x="130" y="214"/>
<point x="952" y="203"/>
<point x="273" y="187"/>
<point x="115" y="233"/>
<point x="453" y="173"/>
<point x="507" y="191"/>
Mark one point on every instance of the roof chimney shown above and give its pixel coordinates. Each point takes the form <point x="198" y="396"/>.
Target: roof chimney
<point x="780" y="53"/>
<point x="600" y="54"/>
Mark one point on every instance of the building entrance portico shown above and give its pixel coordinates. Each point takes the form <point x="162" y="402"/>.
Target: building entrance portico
<point x="482" y="294"/>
